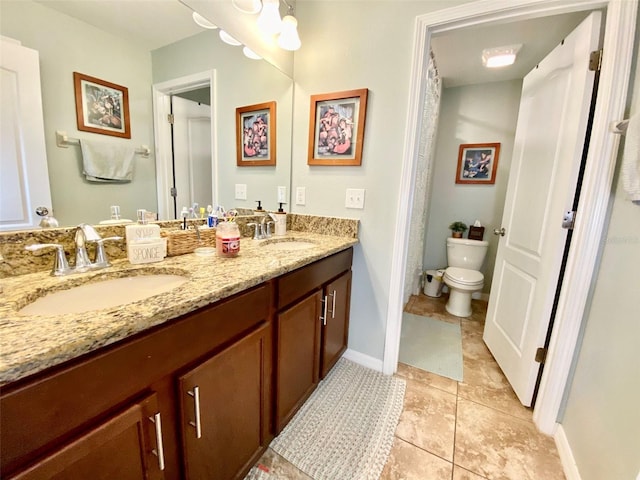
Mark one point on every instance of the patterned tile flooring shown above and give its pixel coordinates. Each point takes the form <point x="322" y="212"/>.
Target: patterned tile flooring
<point x="470" y="430"/>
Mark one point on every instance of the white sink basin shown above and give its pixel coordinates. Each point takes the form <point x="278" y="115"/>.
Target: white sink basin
<point x="102" y="294"/>
<point x="285" y="244"/>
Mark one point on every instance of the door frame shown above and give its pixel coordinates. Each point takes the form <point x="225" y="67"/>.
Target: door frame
<point x="161" y="93"/>
<point x="590" y="222"/>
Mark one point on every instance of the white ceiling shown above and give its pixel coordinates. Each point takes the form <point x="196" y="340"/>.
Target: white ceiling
<point x="155" y="23"/>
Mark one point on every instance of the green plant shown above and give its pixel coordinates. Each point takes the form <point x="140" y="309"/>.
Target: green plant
<point x="458" y="227"/>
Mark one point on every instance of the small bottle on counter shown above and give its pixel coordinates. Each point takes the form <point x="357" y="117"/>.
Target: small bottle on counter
<point x="281" y="221"/>
<point x="227" y="239"/>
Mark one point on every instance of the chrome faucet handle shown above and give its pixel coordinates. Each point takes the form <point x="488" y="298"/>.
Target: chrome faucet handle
<point x="257" y="231"/>
<point x="267" y="233"/>
<point x="101" y="256"/>
<point x="60" y="264"/>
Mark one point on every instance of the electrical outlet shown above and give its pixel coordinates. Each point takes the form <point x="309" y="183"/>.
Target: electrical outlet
<point x="241" y="191"/>
<point x="282" y="194"/>
<point x="301" y="196"/>
<point x="355" y="198"/>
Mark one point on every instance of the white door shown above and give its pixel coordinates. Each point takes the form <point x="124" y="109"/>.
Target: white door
<point x="24" y="175"/>
<point x="192" y="153"/>
<point x="548" y="146"/>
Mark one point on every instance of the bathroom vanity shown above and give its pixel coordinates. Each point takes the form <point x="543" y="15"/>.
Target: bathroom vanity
<point x="196" y="393"/>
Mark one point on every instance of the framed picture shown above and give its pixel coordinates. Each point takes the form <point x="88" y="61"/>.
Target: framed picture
<point x="336" y="128"/>
<point x="256" y="135"/>
<point x="101" y="107"/>
<point x="477" y="163"/>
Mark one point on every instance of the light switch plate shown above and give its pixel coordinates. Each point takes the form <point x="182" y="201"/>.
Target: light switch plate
<point x="282" y="194"/>
<point x="301" y="195"/>
<point x="355" y="198"/>
<point x="241" y="191"/>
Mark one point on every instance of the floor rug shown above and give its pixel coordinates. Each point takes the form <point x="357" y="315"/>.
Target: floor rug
<point x="431" y="345"/>
<point x="345" y="430"/>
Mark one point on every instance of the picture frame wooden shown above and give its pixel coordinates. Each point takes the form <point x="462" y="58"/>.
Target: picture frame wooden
<point x="101" y="107"/>
<point x="336" y="127"/>
<point x="256" y="135"/>
<point x="477" y="163"/>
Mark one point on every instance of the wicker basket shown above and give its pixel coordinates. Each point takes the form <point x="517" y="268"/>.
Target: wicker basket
<point x="180" y="242"/>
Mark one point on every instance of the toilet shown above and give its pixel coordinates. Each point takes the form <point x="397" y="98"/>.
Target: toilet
<point x="462" y="276"/>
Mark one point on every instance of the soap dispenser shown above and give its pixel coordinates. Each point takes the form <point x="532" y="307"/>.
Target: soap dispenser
<point x="280" y="220"/>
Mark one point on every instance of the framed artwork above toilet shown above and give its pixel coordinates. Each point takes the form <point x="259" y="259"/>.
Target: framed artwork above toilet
<point x="477" y="163"/>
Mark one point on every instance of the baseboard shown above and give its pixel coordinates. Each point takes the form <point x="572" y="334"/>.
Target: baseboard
<point x="364" y="360"/>
<point x="566" y="455"/>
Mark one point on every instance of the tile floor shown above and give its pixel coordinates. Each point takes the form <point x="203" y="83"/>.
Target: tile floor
<point x="470" y="430"/>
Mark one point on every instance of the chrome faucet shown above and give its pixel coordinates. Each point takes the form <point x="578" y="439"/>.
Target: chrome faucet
<point x="263" y="229"/>
<point x="84" y="233"/>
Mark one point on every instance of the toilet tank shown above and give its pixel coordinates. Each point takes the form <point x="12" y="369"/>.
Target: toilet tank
<point x="466" y="253"/>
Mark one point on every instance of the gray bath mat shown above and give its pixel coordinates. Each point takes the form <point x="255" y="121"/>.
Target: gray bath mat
<point x="432" y="345"/>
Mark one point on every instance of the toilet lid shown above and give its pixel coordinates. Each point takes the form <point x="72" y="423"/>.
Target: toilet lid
<point x="464" y="276"/>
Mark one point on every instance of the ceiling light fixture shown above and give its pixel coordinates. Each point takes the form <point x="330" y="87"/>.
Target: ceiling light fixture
<point x="500" y="56"/>
<point x="269" y="22"/>
<point x="250" y="54"/>
<point x="247" y="6"/>
<point x="228" y="39"/>
<point x="202" y="22"/>
<point x="289" y="38"/>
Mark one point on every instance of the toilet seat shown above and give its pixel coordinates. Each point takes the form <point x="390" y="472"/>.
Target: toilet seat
<point x="463" y="276"/>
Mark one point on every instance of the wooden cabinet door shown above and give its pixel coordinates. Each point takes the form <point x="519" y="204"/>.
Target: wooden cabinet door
<point x="125" y="447"/>
<point x="298" y="356"/>
<point x="335" y="329"/>
<point x="225" y="409"/>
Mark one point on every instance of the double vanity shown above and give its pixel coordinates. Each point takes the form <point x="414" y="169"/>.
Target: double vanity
<point x="193" y="382"/>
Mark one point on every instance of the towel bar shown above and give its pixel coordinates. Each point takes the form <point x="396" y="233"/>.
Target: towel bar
<point x="63" y="141"/>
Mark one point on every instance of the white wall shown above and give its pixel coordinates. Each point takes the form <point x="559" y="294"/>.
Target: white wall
<point x="472" y="114"/>
<point x="602" y="416"/>
<point x="346" y="46"/>
<point x="67" y="45"/>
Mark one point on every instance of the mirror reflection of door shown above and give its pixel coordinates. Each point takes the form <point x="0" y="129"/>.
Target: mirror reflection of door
<point x="192" y="161"/>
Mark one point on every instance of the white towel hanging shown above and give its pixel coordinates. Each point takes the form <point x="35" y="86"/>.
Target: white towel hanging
<point x="107" y="162"/>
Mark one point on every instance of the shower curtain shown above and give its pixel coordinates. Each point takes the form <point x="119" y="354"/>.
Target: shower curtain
<point x="423" y="180"/>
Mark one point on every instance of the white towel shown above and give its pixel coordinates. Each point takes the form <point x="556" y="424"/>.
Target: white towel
<point x="631" y="160"/>
<point x="107" y="162"/>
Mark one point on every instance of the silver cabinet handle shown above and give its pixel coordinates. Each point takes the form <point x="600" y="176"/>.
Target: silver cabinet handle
<point x="159" y="450"/>
<point x="195" y="393"/>
<point x="500" y="232"/>
<point x="333" y="304"/>
<point x="325" y="301"/>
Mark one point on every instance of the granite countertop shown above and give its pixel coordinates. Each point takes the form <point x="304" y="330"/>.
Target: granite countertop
<point x="32" y="343"/>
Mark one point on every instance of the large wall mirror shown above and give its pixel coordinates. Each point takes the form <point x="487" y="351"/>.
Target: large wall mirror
<point x="67" y="44"/>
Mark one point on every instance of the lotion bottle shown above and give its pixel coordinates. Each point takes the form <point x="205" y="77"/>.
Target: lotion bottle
<point x="280" y="221"/>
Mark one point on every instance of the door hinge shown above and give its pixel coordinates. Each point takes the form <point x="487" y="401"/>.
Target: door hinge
<point x="595" y="60"/>
<point x="173" y="192"/>
<point x="569" y="220"/>
<point x="541" y="355"/>
<point x="170" y="118"/>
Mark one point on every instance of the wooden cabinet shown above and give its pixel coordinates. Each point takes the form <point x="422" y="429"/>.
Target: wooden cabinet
<point x="72" y="417"/>
<point x="224" y="409"/>
<point x="192" y="398"/>
<point x="312" y="327"/>
<point x="335" y="330"/>
<point x="128" y="446"/>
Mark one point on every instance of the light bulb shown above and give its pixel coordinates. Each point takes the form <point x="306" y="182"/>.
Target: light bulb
<point x="289" y="38"/>
<point x="202" y="22"/>
<point x="269" y="21"/>
<point x="228" y="39"/>
<point x="247" y="6"/>
<point x="251" y="54"/>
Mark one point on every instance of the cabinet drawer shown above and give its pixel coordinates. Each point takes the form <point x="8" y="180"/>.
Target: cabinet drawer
<point x="37" y="415"/>
<point x="298" y="283"/>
